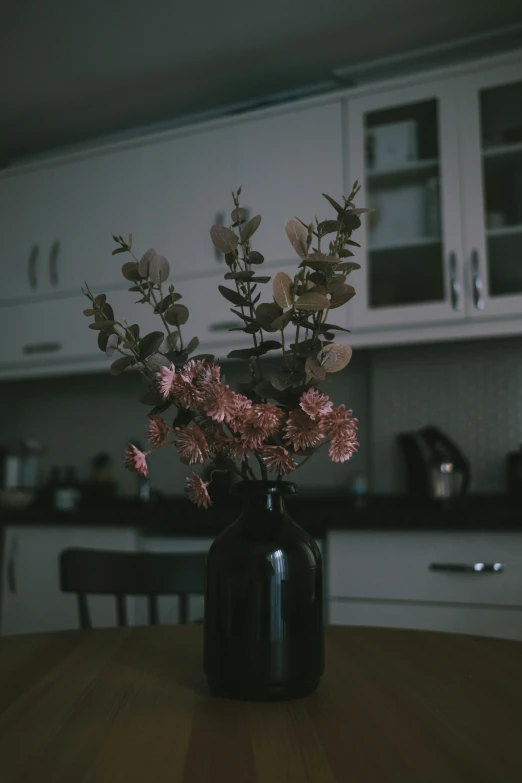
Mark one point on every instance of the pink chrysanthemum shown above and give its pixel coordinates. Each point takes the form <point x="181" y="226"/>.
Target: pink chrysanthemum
<point x="315" y="403"/>
<point x="193" y="369"/>
<point x="192" y="444"/>
<point x="157" y="430"/>
<point x="342" y="447"/>
<point x="218" y="401"/>
<point x="339" y="419"/>
<point x="302" y="432"/>
<point x="136" y="460"/>
<point x="197" y="490"/>
<point x="207" y="374"/>
<point x="235" y="448"/>
<point x="263" y="419"/>
<point x="185" y="393"/>
<point x="277" y="458"/>
<point x="165" y="378"/>
<point x="241" y="405"/>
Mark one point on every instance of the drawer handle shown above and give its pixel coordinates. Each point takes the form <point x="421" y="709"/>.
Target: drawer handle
<point x="468" y="568"/>
<point x="33" y="348"/>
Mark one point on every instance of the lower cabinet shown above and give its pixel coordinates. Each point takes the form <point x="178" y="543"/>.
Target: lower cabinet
<point x="432" y="580"/>
<point x="31" y="599"/>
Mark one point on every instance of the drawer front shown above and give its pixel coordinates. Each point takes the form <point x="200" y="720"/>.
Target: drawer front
<point x="397" y="565"/>
<point x="500" y="623"/>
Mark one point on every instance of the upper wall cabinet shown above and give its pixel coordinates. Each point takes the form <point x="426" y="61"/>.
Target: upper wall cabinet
<point x="57" y="223"/>
<point x="403" y="149"/>
<point x="187" y="186"/>
<point x="491" y="155"/>
<point x="284" y="163"/>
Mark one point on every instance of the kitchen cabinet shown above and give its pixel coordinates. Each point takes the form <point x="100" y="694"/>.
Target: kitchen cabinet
<point x="431" y="580"/>
<point x="58" y="220"/>
<point x="31" y="599"/>
<point x="285" y="162"/>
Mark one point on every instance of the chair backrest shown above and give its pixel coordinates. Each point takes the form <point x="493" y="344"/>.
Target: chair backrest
<point x="102" y="572"/>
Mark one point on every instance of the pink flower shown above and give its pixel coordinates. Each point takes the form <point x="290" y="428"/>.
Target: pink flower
<point x="263" y="419"/>
<point x="218" y="401"/>
<point x="136" y="460"/>
<point x="184" y="392"/>
<point x="241" y="405"/>
<point x="157" y="430"/>
<point x="165" y="379"/>
<point x="193" y="368"/>
<point x="342" y="447"/>
<point x="197" y="490"/>
<point x="339" y="418"/>
<point x="315" y="403"/>
<point x="302" y="432"/>
<point x="235" y="448"/>
<point x="192" y="444"/>
<point x="277" y="458"/>
<point x="207" y="374"/>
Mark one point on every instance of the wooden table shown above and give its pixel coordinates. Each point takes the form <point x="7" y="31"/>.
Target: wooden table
<point x="132" y="705"/>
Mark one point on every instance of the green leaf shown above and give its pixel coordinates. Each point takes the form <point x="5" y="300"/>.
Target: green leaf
<point x="251" y="227"/>
<point x="337" y="300"/>
<point x="351" y="242"/>
<point x="102" y="326"/>
<point x="100" y="300"/>
<point x="263" y="279"/>
<point x="192" y="345"/>
<point x="103" y="339"/>
<point x="145" y="261"/>
<point x="232" y="296"/>
<point x="328" y="227"/>
<point x="312" y="301"/>
<point x="239" y="275"/>
<point x="333" y="328"/>
<point x="121" y="364"/>
<point x="255" y="258"/>
<point x="345" y="253"/>
<point x="118" y="250"/>
<point x="334" y="203"/>
<point x="224" y="239"/>
<point x="238" y="215"/>
<point x="130" y="271"/>
<point x="242" y="353"/>
<point x="266" y="314"/>
<point x="150" y="344"/>
<point x="347" y="267"/>
<point x="166" y="302"/>
<point x="177" y="315"/>
<point x="282" y="288"/>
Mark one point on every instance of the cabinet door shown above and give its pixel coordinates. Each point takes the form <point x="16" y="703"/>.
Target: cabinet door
<point x="285" y="163"/>
<point x="491" y="153"/>
<point x="32" y="601"/>
<point x="24" y="241"/>
<point x="187" y="185"/>
<point x="403" y="150"/>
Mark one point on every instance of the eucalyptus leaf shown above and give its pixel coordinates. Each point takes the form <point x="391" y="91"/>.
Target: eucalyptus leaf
<point x="348" y="266"/>
<point x="103" y="339"/>
<point x="314" y="370"/>
<point x="251" y="227"/>
<point x="312" y="301"/>
<point x="344" y="253"/>
<point x="176" y="315"/>
<point x="166" y="302"/>
<point x="112" y="344"/>
<point x="106" y="313"/>
<point x="232" y="296"/>
<point x="328" y="227"/>
<point x="192" y="345"/>
<point x="298" y="235"/>
<point x="282" y="289"/>
<point x="89" y="312"/>
<point x="255" y="258"/>
<point x="102" y="326"/>
<point x="334" y="203"/>
<point x="266" y="314"/>
<point x="150" y="344"/>
<point x="130" y="271"/>
<point x="335" y="356"/>
<point x="100" y="299"/>
<point x="151" y="397"/>
<point x="118" y="250"/>
<point x="239" y="275"/>
<point x="263" y="279"/>
<point x="121" y="364"/>
<point x="224" y="239"/>
<point x="238" y="215"/>
<point x="159" y="269"/>
<point x="145" y="261"/>
<point x="337" y="300"/>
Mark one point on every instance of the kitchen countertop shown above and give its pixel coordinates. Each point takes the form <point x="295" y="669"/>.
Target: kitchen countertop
<point x="317" y="512"/>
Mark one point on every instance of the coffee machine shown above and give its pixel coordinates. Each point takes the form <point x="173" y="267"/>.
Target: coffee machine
<point x="436" y="469"/>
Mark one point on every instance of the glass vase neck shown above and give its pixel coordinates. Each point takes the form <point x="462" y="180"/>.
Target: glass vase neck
<point x="268" y="496"/>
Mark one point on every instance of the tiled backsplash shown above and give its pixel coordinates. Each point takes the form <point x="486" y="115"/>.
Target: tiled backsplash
<point x="471" y="390"/>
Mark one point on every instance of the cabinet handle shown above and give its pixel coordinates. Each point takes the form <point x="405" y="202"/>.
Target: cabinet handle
<point x="468" y="568"/>
<point x="478" y="286"/>
<point x="454" y="282"/>
<point x="220" y="221"/>
<point x="31" y="267"/>
<point x="53" y="263"/>
<point x="11" y="567"/>
<point x="33" y="348"/>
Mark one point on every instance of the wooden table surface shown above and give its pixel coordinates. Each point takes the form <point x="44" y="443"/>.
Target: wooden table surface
<point x="132" y="705"/>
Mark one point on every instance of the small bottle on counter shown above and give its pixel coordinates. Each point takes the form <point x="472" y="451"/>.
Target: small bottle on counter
<point x="66" y="492"/>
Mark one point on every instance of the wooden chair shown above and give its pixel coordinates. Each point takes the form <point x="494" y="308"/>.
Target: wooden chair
<point x="101" y="572"/>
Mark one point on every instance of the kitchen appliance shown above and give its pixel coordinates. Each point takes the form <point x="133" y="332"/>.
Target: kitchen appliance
<point x="436" y="469"/>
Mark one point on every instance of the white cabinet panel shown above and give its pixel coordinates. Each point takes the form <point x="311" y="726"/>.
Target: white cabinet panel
<point x="32" y="601"/>
<point x="187" y="184"/>
<point x="396" y="566"/>
<point x="496" y="622"/>
<point x="285" y="162"/>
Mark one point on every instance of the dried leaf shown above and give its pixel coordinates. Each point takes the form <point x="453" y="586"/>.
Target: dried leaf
<point x="314" y="370"/>
<point x="159" y="269"/>
<point x="145" y="261"/>
<point x="255" y="258"/>
<point x="176" y="315"/>
<point x="338" y="299"/>
<point x="232" y="296"/>
<point x="282" y="288"/>
<point x="130" y="271"/>
<point x="297" y="234"/>
<point x="312" y="301"/>
<point x="266" y="314"/>
<point x="150" y="344"/>
<point x="121" y="364"/>
<point x="89" y="312"/>
<point x="224" y="239"/>
<point x="335" y="356"/>
<point x="251" y="227"/>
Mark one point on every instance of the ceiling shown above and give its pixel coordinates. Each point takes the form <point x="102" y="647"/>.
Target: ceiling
<point x="71" y="70"/>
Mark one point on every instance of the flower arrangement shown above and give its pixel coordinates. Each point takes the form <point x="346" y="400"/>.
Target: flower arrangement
<point x="277" y="419"/>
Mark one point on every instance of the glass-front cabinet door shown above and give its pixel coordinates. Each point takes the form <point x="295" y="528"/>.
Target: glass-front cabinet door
<point x="491" y="161"/>
<point x="403" y="149"/>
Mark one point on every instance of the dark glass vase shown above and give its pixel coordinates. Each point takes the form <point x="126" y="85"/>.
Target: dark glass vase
<point x="264" y="602"/>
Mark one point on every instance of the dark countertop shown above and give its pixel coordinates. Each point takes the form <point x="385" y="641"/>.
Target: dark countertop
<point x="317" y="512"/>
